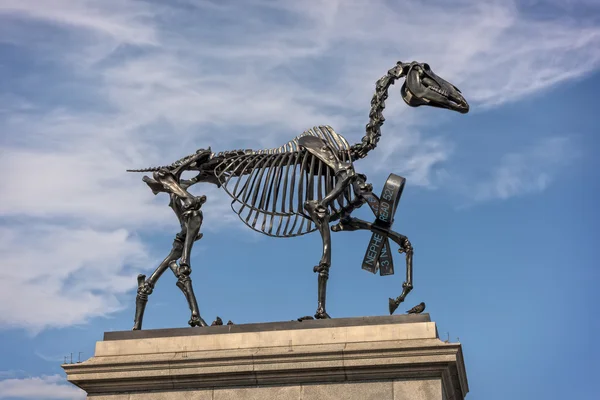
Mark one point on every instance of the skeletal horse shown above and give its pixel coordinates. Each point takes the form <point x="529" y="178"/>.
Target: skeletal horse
<point x="292" y="190"/>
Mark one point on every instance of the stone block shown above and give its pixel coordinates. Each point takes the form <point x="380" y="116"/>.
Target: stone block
<point x="259" y="393"/>
<point x="397" y="357"/>
<point x="349" y="391"/>
<point x="419" y="389"/>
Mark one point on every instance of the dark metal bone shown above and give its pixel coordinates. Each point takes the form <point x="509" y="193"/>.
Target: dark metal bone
<point x="256" y="180"/>
<point x="190" y="222"/>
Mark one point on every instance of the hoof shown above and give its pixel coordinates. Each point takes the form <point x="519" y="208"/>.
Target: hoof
<point x="322" y="315"/>
<point x="306" y="318"/>
<point x="217" y="322"/>
<point x="197" y="321"/>
<point x="393" y="304"/>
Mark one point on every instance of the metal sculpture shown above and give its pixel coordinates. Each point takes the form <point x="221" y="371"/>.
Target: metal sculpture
<point x="298" y="188"/>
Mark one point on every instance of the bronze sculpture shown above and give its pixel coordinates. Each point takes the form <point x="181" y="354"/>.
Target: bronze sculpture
<point x="299" y="188"/>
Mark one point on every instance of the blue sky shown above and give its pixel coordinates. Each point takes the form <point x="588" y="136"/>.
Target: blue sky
<point x="500" y="204"/>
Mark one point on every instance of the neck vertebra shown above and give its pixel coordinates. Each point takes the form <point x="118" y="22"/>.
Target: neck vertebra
<point x="376" y="119"/>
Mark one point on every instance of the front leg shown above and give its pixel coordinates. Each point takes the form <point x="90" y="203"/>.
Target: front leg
<point x="353" y="224"/>
<point x="407" y="286"/>
<point x="320" y="216"/>
<point x="363" y="192"/>
<point x="319" y="213"/>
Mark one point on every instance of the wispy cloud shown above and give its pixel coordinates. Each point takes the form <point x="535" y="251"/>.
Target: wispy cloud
<point x="527" y="171"/>
<point x="38" y="388"/>
<point x="53" y="359"/>
<point x="13" y="373"/>
<point x="420" y="159"/>
<point x="125" y="22"/>
<point x="72" y="274"/>
<point x="94" y="87"/>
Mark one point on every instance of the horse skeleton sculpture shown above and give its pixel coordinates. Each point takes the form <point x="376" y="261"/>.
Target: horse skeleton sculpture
<point x="292" y="190"/>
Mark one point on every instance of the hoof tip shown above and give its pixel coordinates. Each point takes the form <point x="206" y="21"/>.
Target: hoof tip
<point x="393" y="305"/>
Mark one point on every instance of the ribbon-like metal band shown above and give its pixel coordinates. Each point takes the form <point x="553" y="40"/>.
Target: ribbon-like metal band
<point x="378" y="255"/>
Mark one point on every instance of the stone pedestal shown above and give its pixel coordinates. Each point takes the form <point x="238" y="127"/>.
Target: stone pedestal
<point x="379" y="358"/>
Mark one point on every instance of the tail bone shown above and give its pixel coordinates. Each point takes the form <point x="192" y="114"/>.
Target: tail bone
<point x="151" y="169"/>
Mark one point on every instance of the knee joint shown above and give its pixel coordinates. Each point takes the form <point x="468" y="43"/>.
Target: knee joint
<point x="407" y="246"/>
<point x="316" y="210"/>
<point x="145" y="288"/>
<point x="184" y="272"/>
<point x="323" y="271"/>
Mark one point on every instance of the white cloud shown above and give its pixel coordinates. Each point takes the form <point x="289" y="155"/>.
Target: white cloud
<point x="528" y="171"/>
<point x="133" y="84"/>
<point x="40" y="388"/>
<point x="72" y="274"/>
<point x="76" y="185"/>
<point x="419" y="159"/>
<point x="123" y="21"/>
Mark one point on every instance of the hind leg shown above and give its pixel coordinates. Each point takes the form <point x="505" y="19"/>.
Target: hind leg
<point x="192" y="220"/>
<point x="146" y="286"/>
<point x="184" y="283"/>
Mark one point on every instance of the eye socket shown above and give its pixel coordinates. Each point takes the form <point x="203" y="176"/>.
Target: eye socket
<point x="426" y="67"/>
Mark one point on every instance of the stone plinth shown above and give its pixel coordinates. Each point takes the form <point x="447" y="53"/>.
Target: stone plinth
<point x="383" y="358"/>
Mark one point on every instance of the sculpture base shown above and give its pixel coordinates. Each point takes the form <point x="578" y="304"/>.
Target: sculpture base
<point x="383" y="358"/>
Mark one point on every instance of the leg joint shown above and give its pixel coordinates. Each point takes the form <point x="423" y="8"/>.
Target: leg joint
<point x="183" y="273"/>
<point x="191" y="213"/>
<point x="145" y="287"/>
<point x="193" y="204"/>
<point x="180" y="238"/>
<point x="145" y="290"/>
<point x="316" y="209"/>
<point x="406" y="246"/>
<point x="322" y="270"/>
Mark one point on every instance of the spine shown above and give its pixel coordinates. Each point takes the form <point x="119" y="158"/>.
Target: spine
<point x="376" y="119"/>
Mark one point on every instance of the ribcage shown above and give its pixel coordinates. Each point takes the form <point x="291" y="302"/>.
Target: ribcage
<point x="269" y="187"/>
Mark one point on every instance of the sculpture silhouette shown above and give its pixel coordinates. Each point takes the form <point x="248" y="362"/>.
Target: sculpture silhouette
<point x="298" y="188"/>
